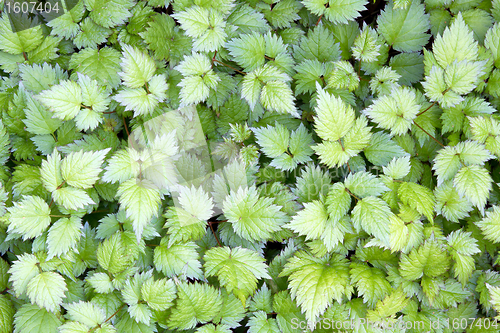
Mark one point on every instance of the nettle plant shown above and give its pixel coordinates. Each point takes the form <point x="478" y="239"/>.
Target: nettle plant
<point x="250" y="166"/>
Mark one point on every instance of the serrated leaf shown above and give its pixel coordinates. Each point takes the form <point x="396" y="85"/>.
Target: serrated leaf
<point x="140" y="199"/>
<point x="196" y="303"/>
<point x="29" y="217"/>
<point x="334" y="117"/>
<point x="64" y="99"/>
<point x="428" y="259"/>
<point x="238" y="269"/>
<point x="82" y="169"/>
<point x="363" y="184"/>
<point x="159" y="294"/>
<point x="64" y="235"/>
<point x="252" y="217"/>
<point x="405" y="28"/>
<point x="178" y="259"/>
<point x="325" y="279"/>
<point x="419" y="198"/>
<point x="47" y="290"/>
<point x="474" y="182"/>
<point x="30" y="318"/>
<point x="86" y="313"/>
<point x="137" y="67"/>
<point x="372" y="215"/>
<point x="22" y="271"/>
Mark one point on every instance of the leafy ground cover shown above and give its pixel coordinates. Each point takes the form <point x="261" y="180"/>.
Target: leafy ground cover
<point x="249" y="166"/>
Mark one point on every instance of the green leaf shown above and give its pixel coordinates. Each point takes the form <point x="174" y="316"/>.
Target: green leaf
<point x="30" y="318"/>
<point x="248" y="19"/>
<point x="140" y="199"/>
<point x="205" y="25"/>
<point x="405" y="236"/>
<point x="22" y="271"/>
<point x="64" y="235"/>
<point x="17" y="42"/>
<point x="463" y="247"/>
<point x="419" y="198"/>
<point x="490" y="225"/>
<point x="316" y="282"/>
<point x="398" y="168"/>
<point x="371" y="283"/>
<point x="366" y="47"/>
<point x="336" y="12"/>
<point x="450" y="204"/>
<point x="102" y="65"/>
<point x="137" y="67"/>
<point x="238" y="269"/>
<point x="178" y="259"/>
<point x="248" y="50"/>
<point x="29" y="217"/>
<point x="388" y="307"/>
<point x="7" y="312"/>
<point x="112" y="254"/>
<point x="196" y="303"/>
<point x="252" y="217"/>
<point x="461" y="77"/>
<point x="259" y="323"/>
<point x="338" y="201"/>
<point x="82" y="169"/>
<point x="159" y="294"/>
<point x="64" y="99"/>
<point x="72" y="198"/>
<point x="273" y="140"/>
<point x="363" y="184"/>
<point x="86" y="313"/>
<point x="474" y="182"/>
<point x="428" y="259"/>
<point x="319" y="44"/>
<point x="405" y="28"/>
<point x="262" y="300"/>
<point x="409" y="65"/>
<point x="334" y="117"/>
<point x="382" y="149"/>
<point x="396" y="111"/>
<point x="372" y="215"/>
<point x="455" y="44"/>
<point x="47" y="290"/>
<point x="492" y="42"/>
<point x="38" y="119"/>
<point x="109" y="13"/>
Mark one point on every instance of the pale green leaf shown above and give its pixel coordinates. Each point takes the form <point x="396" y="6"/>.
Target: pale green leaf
<point x="47" y="290"/>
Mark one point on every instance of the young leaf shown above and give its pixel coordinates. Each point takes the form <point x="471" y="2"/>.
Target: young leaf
<point x="47" y="290"/>
<point x="178" y="259"/>
<point x="64" y="235"/>
<point x="30" y="318"/>
<point x="196" y="303"/>
<point x="64" y="99"/>
<point x="316" y="282"/>
<point x="237" y="269"/>
<point x="137" y="67"/>
<point x="29" y="217"/>
<point x="253" y="218"/>
<point x="474" y="182"/>
<point x="140" y="199"/>
<point x="334" y="117"/>
<point x="82" y="169"/>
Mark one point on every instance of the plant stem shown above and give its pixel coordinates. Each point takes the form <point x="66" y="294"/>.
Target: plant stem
<point x="213" y="231"/>
<point x="433" y="138"/>
<point x="234" y="69"/>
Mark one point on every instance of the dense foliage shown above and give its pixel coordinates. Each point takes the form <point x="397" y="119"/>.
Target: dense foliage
<point x="250" y="166"/>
